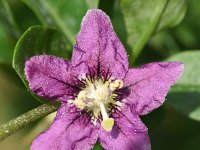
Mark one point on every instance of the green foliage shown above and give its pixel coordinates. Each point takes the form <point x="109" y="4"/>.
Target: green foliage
<point x="189" y="80"/>
<point x="185" y="95"/>
<point x="141" y="20"/>
<point x="144" y="18"/>
<point x="36" y="41"/>
<point x="175" y="7"/>
<point x="150" y="30"/>
<point x="6" y="46"/>
<point x="61" y="14"/>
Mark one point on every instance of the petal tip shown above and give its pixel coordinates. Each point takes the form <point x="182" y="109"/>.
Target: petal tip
<point x="179" y="67"/>
<point x="95" y="13"/>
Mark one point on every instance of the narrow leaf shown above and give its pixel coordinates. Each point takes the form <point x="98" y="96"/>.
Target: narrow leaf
<point x="141" y="19"/>
<point x="173" y="14"/>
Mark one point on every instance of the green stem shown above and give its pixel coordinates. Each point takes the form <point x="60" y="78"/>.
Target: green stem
<point x="22" y="121"/>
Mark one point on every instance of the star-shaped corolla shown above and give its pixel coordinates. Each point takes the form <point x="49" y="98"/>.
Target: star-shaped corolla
<point x="101" y="97"/>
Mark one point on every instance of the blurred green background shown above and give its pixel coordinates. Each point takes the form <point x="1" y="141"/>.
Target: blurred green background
<point x="159" y="30"/>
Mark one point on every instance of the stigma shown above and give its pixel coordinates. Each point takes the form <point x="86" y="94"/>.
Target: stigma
<point x="97" y="98"/>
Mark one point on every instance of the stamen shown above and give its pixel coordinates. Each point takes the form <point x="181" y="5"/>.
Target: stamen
<point x="107" y="123"/>
<point x="79" y="103"/>
<point x="117" y="84"/>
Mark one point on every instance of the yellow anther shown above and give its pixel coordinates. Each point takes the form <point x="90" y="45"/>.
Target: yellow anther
<point x="117" y="84"/>
<point x="81" y="95"/>
<point x="107" y="124"/>
<point x="79" y="103"/>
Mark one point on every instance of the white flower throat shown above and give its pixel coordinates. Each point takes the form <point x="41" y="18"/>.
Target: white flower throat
<point x="97" y="97"/>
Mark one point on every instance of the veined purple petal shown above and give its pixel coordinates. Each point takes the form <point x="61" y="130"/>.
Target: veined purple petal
<point x="52" y="77"/>
<point x="129" y="133"/>
<point x="149" y="84"/>
<point x="68" y="132"/>
<point x="98" y="46"/>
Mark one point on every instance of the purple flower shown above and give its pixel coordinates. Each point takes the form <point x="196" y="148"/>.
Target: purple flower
<point x="101" y="97"/>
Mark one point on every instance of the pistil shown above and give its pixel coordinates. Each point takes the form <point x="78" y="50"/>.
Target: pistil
<point x="107" y="123"/>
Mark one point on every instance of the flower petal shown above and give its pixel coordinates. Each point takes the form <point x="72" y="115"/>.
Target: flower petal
<point x="98" y="46"/>
<point x="129" y="133"/>
<point x="149" y="84"/>
<point x="52" y="77"/>
<point x="67" y="132"/>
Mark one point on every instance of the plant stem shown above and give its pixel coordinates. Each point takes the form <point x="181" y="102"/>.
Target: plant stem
<point x="22" y="121"/>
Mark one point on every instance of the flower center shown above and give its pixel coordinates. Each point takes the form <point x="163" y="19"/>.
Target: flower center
<point x="97" y="98"/>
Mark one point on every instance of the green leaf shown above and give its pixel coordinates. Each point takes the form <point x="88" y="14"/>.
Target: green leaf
<point x="190" y="78"/>
<point x="164" y="43"/>
<point x="7" y="46"/>
<point x="23" y="15"/>
<point x="64" y="15"/>
<point x="8" y="19"/>
<point x="37" y="41"/>
<point x="173" y="14"/>
<point x="187" y="103"/>
<point x="185" y="95"/>
<point x="17" y="17"/>
<point x="141" y="19"/>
